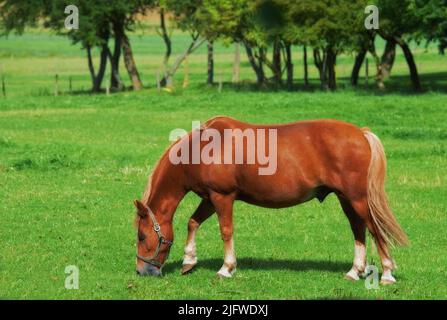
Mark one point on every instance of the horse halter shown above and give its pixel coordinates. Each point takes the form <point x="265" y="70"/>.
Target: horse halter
<point x="161" y="240"/>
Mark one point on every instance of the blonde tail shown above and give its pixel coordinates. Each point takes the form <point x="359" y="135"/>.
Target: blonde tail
<point x="382" y="216"/>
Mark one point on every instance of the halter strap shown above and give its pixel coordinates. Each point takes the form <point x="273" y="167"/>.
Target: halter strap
<point x="161" y="240"/>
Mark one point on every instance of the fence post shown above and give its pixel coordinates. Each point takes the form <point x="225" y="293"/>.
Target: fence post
<point x="157" y="76"/>
<point x="366" y="73"/>
<point x="220" y="83"/>
<point x="56" y="85"/>
<point x="186" y="73"/>
<point x="237" y="63"/>
<point x="3" y="86"/>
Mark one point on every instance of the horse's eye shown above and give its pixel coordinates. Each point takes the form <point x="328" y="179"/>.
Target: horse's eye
<point x="141" y="236"/>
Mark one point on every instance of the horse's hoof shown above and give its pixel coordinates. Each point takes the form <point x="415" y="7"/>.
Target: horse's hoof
<point x="352" y="275"/>
<point x="187" y="268"/>
<point x="387" y="278"/>
<point x="224" y="273"/>
<point x="385" y="282"/>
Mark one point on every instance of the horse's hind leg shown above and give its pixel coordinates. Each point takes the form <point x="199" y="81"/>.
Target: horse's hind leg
<point x="224" y="209"/>
<point x="362" y="209"/>
<point x="203" y="212"/>
<point x="358" y="229"/>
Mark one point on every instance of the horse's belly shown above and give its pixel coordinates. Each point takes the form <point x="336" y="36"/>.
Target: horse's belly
<point x="277" y="196"/>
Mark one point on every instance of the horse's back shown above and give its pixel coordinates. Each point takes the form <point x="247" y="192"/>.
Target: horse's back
<point x="225" y="122"/>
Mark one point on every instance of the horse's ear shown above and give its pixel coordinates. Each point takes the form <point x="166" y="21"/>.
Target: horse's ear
<point x="141" y="208"/>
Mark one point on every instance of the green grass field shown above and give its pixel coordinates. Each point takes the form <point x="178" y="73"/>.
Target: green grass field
<point x="70" y="167"/>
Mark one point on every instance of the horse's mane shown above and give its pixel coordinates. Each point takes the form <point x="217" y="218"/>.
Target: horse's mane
<point x="147" y="191"/>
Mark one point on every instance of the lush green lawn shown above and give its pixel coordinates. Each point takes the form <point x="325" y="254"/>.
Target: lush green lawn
<point x="70" y="167"/>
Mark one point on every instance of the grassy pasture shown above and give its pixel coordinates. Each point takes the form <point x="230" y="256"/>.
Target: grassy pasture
<point x="71" y="165"/>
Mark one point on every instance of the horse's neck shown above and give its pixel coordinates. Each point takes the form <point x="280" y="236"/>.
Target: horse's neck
<point x="166" y="192"/>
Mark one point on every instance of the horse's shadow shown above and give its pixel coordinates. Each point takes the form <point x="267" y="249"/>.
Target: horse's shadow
<point x="266" y="264"/>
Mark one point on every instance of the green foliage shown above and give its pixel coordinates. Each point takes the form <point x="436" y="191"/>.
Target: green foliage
<point x="326" y="23"/>
<point x="224" y="19"/>
<point x="433" y="17"/>
<point x="398" y="18"/>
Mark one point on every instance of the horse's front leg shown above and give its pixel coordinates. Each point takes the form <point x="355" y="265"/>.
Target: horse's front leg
<point x="224" y="209"/>
<point x="203" y="212"/>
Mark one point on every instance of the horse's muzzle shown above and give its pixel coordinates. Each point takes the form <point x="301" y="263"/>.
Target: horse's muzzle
<point x="149" y="270"/>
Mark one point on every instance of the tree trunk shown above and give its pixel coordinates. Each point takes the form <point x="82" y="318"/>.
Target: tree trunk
<point x="388" y="58"/>
<point x="91" y="67"/>
<point x="257" y="67"/>
<point x="320" y="63"/>
<point x="102" y="68"/>
<point x="306" y="67"/>
<point x="379" y="73"/>
<point x="289" y="65"/>
<point x="166" y="39"/>
<point x="276" y="62"/>
<point x="237" y="63"/>
<point x="115" y="79"/>
<point x="331" y="62"/>
<point x="360" y="57"/>
<point x="170" y="73"/>
<point x="97" y="78"/>
<point x="210" y="79"/>
<point x="130" y="64"/>
<point x="414" y="75"/>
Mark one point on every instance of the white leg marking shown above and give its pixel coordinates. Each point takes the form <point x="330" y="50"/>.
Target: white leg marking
<point x="229" y="266"/>
<point x="387" y="277"/>
<point x="190" y="256"/>
<point x="359" y="257"/>
<point x="353" y="275"/>
<point x="359" y="264"/>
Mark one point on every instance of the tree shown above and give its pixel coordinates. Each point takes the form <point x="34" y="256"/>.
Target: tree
<point x="122" y="16"/>
<point x="232" y="21"/>
<point x="185" y="16"/>
<point x="399" y="22"/>
<point x="330" y="27"/>
<point x="165" y="34"/>
<point x="100" y="21"/>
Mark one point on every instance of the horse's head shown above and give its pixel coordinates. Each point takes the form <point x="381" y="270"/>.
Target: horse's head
<point x="152" y="246"/>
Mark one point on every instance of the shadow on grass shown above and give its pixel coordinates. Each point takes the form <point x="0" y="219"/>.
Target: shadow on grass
<point x="397" y="84"/>
<point x="266" y="264"/>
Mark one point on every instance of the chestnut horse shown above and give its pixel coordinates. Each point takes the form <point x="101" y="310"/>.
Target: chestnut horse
<point x="314" y="158"/>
